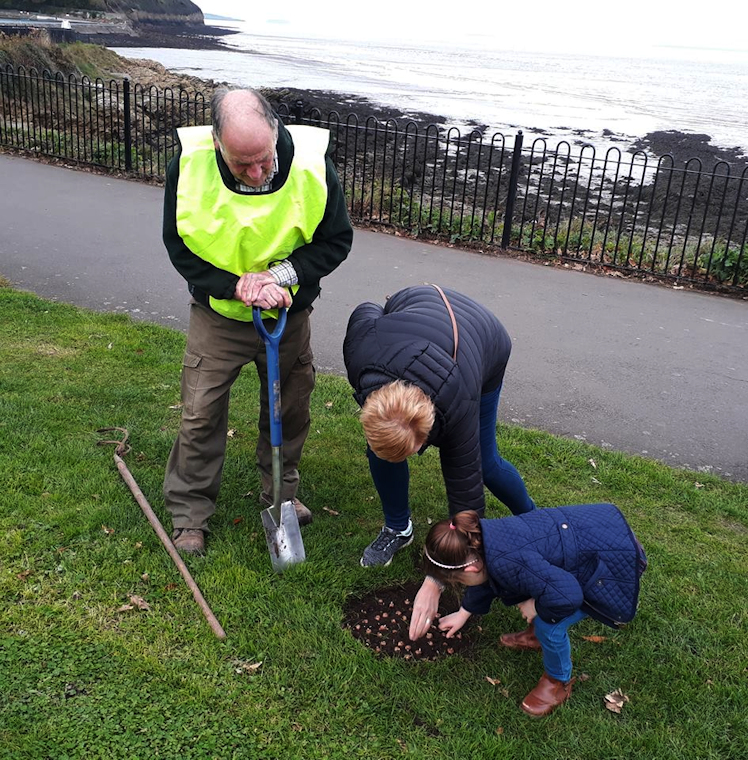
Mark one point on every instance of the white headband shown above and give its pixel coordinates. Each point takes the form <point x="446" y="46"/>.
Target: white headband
<point x="447" y="567"/>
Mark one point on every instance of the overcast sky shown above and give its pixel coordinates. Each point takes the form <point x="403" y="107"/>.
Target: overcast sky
<point x="570" y="25"/>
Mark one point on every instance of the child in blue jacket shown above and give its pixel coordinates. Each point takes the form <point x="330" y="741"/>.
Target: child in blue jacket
<point x="558" y="565"/>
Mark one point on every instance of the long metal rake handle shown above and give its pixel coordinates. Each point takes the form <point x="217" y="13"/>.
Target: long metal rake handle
<point x="121" y="450"/>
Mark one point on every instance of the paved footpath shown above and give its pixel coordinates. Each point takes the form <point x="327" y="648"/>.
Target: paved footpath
<point x="634" y="367"/>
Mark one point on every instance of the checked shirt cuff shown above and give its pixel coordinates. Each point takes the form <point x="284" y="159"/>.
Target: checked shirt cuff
<point x="284" y="274"/>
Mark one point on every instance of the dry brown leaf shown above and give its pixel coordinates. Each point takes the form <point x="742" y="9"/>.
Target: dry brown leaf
<point x="22" y="576"/>
<point x="170" y="586"/>
<point x="595" y="639"/>
<point x="237" y="520"/>
<point x="493" y="681"/>
<point x="125" y="608"/>
<point x="331" y="511"/>
<point x="106" y="530"/>
<point x="140" y="603"/>
<point x="241" y="666"/>
<point x="615" y="701"/>
<point x="500" y="730"/>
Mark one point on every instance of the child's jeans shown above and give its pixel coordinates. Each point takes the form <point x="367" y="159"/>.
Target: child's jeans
<point x="554" y="638"/>
<point x="391" y="479"/>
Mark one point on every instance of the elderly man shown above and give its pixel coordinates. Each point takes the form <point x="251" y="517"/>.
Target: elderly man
<point x="254" y="215"/>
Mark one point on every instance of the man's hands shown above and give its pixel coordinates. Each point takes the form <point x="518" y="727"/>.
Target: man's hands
<point x="261" y="289"/>
<point x="425" y="606"/>
<point x="453" y="622"/>
<point x="527" y="608"/>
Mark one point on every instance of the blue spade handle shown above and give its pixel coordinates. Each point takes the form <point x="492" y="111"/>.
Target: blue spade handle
<point x="272" y="343"/>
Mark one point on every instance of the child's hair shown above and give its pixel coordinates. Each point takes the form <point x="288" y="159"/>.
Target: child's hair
<point x="456" y="543"/>
<point x="397" y="419"/>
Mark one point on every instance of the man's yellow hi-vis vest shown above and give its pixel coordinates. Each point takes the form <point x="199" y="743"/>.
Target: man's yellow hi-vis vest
<point x="247" y="233"/>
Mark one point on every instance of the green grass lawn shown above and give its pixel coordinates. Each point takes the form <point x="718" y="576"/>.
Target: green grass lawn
<point x="78" y="679"/>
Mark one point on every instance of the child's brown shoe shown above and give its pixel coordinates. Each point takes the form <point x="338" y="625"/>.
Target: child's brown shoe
<point x="521" y="639"/>
<point x="546" y="696"/>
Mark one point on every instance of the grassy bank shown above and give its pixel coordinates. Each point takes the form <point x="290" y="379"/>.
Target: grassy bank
<point x="80" y="679"/>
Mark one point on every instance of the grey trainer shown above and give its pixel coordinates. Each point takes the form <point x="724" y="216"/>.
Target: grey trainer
<point x="384" y="547"/>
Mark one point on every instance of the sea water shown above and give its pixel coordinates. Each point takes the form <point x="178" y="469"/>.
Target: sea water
<point x="565" y="95"/>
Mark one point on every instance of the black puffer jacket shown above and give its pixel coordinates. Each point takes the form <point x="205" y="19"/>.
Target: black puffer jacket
<point x="411" y="339"/>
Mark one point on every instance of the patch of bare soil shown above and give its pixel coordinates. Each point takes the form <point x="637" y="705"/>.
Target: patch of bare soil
<point x="380" y="621"/>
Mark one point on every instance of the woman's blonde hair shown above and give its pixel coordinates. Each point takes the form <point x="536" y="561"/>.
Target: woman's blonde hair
<point x="397" y="419"/>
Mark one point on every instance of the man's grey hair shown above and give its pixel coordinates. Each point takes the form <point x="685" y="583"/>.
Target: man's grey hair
<point x="263" y="108"/>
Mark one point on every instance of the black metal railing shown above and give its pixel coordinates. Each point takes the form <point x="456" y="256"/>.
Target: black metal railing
<point x="629" y="212"/>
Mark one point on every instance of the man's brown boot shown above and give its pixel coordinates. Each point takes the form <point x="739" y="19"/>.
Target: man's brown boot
<point x="303" y="512"/>
<point x="521" y="639"/>
<point x="546" y="696"/>
<point x="189" y="540"/>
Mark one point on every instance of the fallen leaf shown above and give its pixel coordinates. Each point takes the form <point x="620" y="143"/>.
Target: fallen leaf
<point x="615" y="701"/>
<point x="595" y="639"/>
<point x="592" y="462"/>
<point x="582" y="677"/>
<point x="140" y="603"/>
<point x="125" y="608"/>
<point x="145" y="577"/>
<point x="139" y="545"/>
<point x="493" y="681"/>
<point x="500" y="730"/>
<point x="106" y="530"/>
<point x="331" y="511"/>
<point x="237" y="520"/>
<point x="231" y="433"/>
<point x="328" y="405"/>
<point x="241" y="666"/>
<point x="22" y="576"/>
<point x="699" y="485"/>
<point x="170" y="586"/>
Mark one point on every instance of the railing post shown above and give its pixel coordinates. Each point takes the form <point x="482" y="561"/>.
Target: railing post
<point x="128" y="131"/>
<point x="298" y="111"/>
<point x="511" y="195"/>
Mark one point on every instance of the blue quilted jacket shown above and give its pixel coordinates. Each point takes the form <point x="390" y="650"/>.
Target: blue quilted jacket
<point x="565" y="558"/>
<point x="411" y="339"/>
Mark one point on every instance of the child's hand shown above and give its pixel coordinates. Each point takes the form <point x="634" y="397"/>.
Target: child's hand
<point x="453" y="622"/>
<point x="527" y="608"/>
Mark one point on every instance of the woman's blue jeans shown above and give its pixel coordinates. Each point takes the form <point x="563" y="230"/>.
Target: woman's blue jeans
<point x="554" y="638"/>
<point x="391" y="479"/>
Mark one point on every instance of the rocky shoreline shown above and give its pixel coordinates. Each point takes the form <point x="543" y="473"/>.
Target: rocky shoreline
<point x="682" y="146"/>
